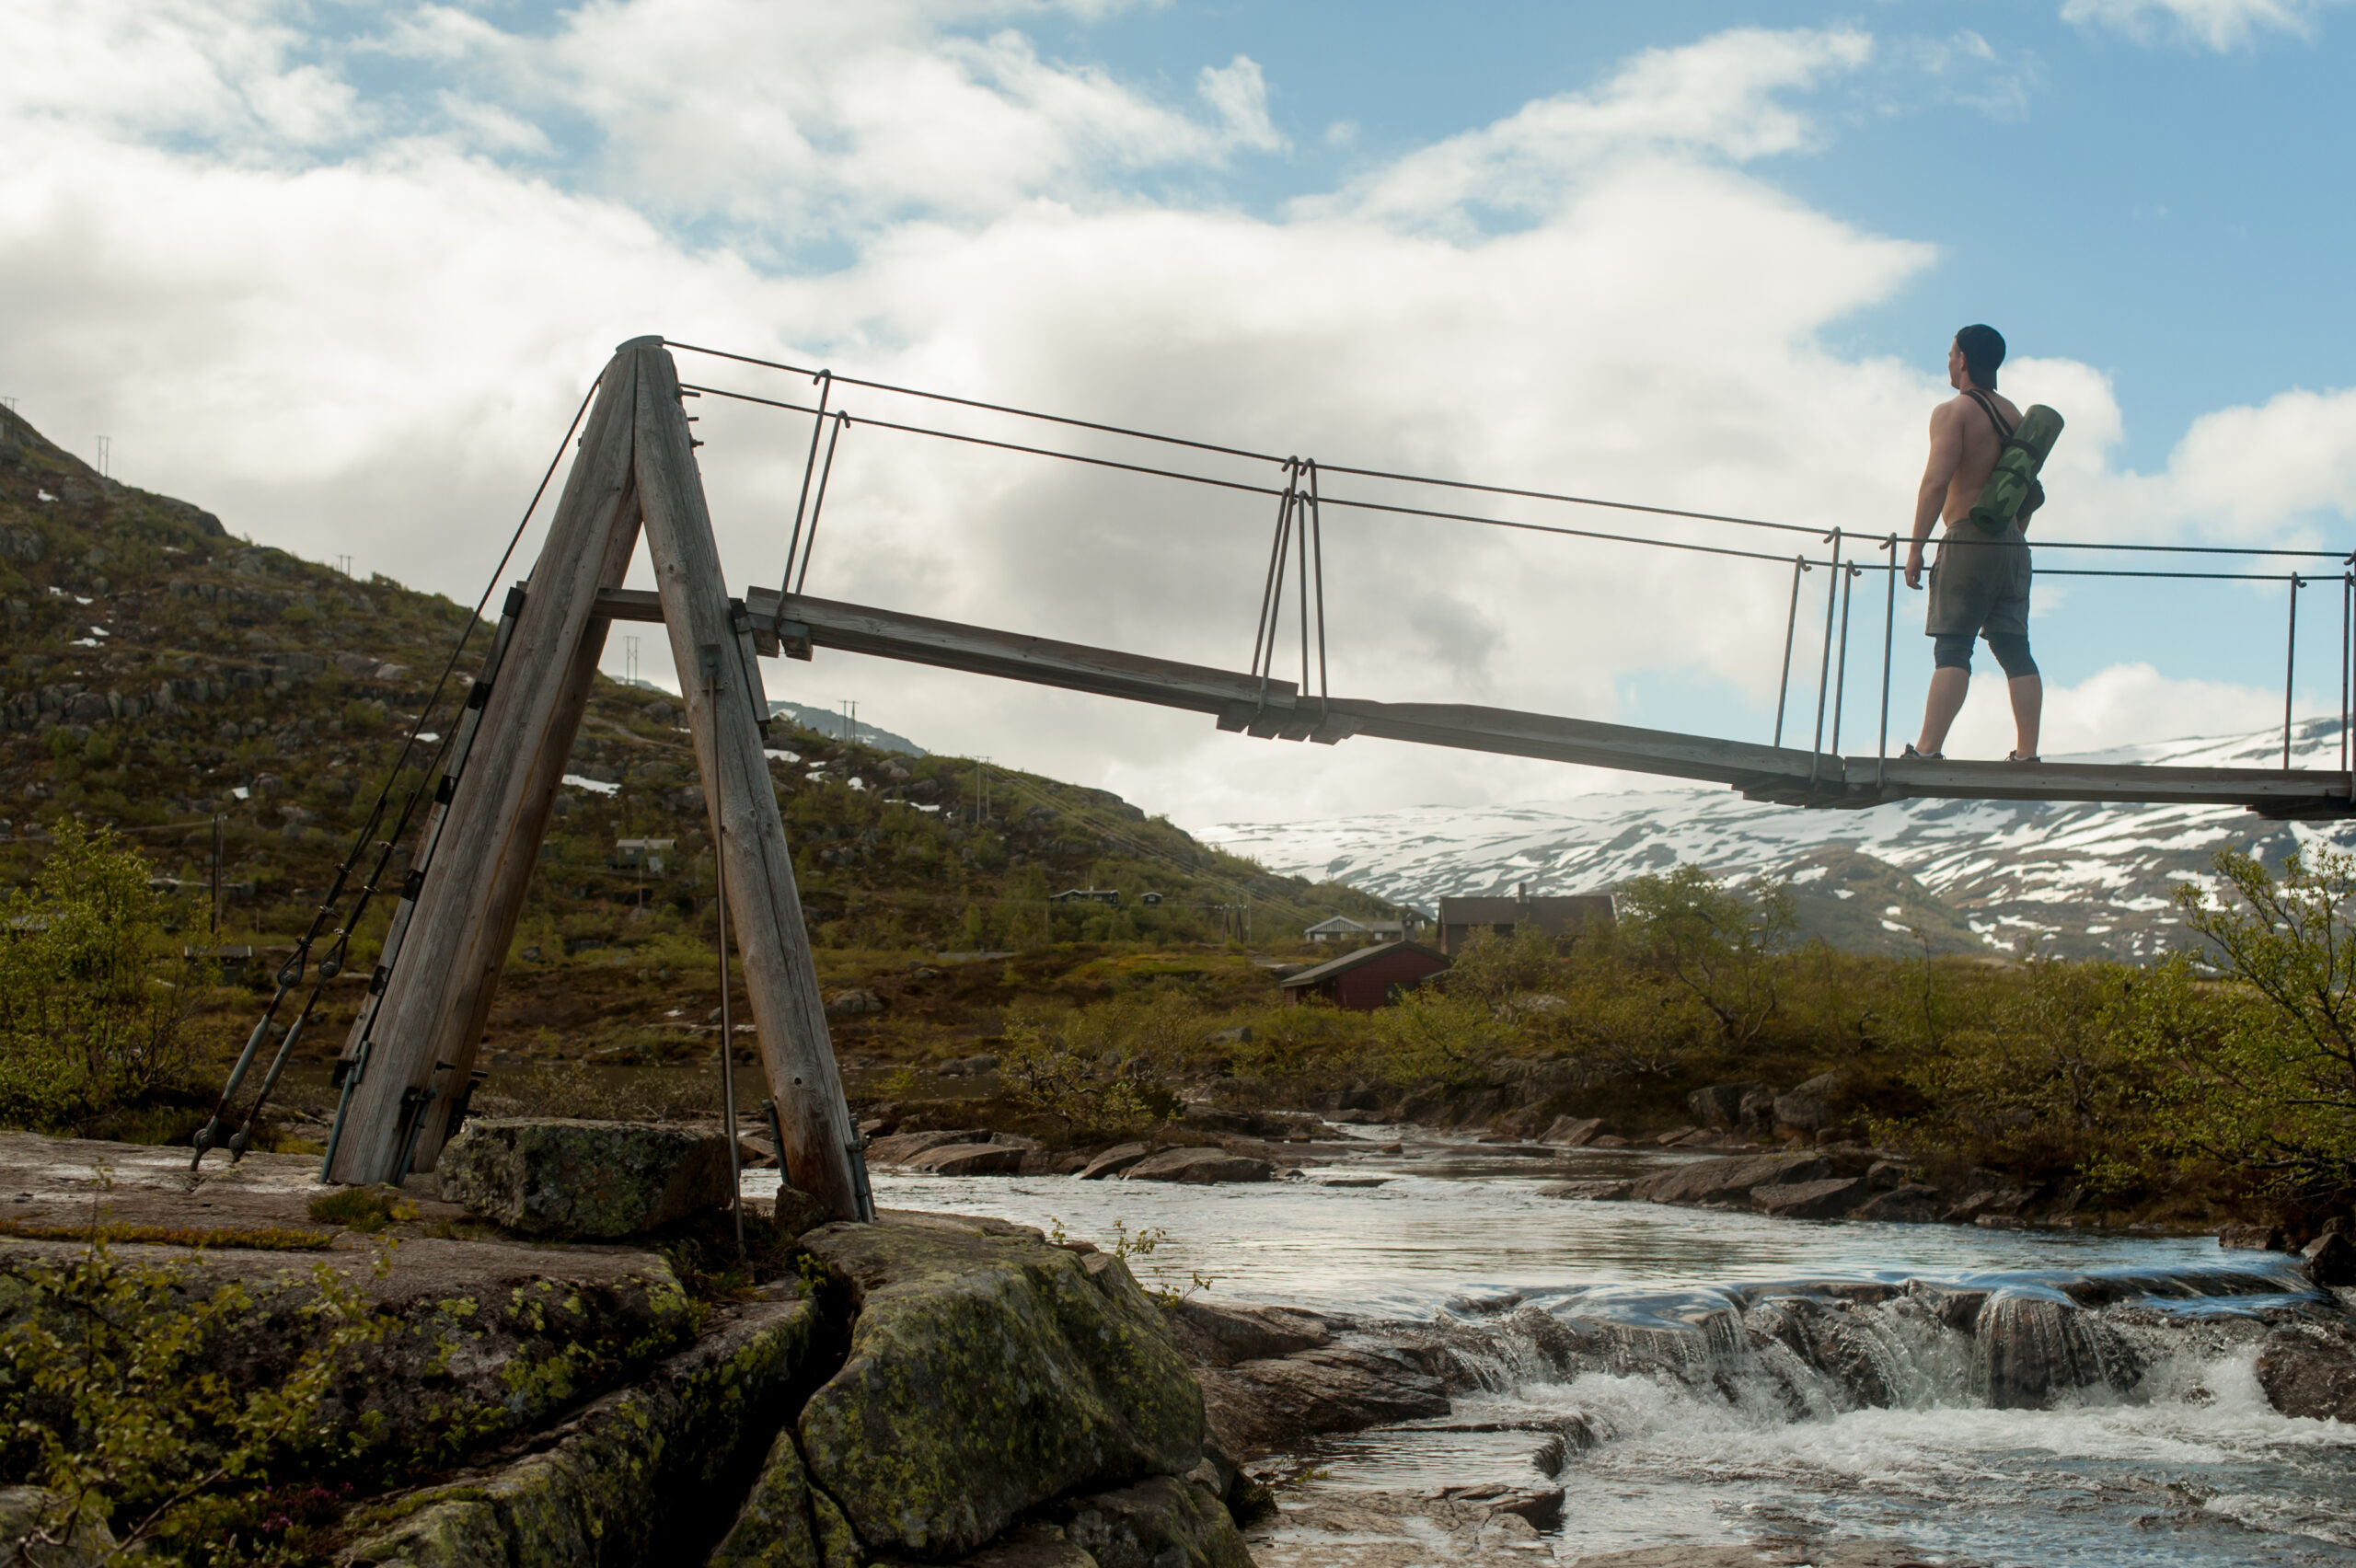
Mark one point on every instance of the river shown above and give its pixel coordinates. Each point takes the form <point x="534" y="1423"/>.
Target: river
<point x="2179" y="1459"/>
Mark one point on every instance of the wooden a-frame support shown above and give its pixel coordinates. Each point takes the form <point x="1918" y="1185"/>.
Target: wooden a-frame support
<point x="412" y="1049"/>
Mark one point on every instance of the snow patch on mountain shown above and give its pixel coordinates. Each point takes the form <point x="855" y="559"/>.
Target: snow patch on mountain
<point x="2062" y="877"/>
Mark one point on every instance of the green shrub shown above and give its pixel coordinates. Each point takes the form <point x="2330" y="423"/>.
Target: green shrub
<point x="2261" y="1074"/>
<point x="112" y="1403"/>
<point x="92" y="1004"/>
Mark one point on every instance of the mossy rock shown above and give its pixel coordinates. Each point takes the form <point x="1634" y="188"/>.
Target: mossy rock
<point x="645" y="1474"/>
<point x="988" y="1373"/>
<point x="557" y="1176"/>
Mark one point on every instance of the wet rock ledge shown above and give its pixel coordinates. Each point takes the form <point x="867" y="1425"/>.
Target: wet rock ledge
<point x="927" y="1389"/>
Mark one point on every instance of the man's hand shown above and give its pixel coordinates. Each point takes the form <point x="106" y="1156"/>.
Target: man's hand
<point x="1914" y="564"/>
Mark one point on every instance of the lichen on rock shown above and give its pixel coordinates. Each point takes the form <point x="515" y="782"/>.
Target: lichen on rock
<point x="988" y="1373"/>
<point x="630" y="1479"/>
<point x="557" y="1176"/>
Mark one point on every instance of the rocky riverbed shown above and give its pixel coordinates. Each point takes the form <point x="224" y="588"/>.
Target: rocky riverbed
<point x="1448" y="1362"/>
<point x="1416" y="1349"/>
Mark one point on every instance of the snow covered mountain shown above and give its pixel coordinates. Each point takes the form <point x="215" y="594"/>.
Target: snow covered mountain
<point x="2014" y="876"/>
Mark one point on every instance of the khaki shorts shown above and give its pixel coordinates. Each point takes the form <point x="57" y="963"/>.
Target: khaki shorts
<point x="1979" y="583"/>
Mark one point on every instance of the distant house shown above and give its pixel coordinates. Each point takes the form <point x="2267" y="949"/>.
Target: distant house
<point x="1461" y="919"/>
<point x="231" y="960"/>
<point x="1369" y="978"/>
<point x="1341" y="929"/>
<point x="641" y="854"/>
<point x="1086" y="896"/>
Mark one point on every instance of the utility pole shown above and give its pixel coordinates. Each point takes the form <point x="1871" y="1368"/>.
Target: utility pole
<point x="343" y="564"/>
<point x="850" y="718"/>
<point x="629" y="660"/>
<point x="216" y="876"/>
<point x="106" y="452"/>
<point x="981" y="790"/>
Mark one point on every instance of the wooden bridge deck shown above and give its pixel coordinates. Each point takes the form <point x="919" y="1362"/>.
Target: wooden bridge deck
<point x="1277" y="710"/>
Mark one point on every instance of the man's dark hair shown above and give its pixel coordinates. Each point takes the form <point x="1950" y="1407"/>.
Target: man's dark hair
<point x="1983" y="350"/>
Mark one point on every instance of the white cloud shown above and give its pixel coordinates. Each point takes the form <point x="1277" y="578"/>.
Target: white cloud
<point x="2220" y="25"/>
<point x="1720" y="97"/>
<point x="371" y="351"/>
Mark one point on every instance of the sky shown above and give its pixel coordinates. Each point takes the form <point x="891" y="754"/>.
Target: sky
<point x="340" y="273"/>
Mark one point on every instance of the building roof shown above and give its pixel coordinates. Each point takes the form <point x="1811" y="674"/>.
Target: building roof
<point x="1349" y="961"/>
<point x="1339" y="923"/>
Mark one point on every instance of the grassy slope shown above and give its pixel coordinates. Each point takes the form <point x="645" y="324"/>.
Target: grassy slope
<point x="224" y="666"/>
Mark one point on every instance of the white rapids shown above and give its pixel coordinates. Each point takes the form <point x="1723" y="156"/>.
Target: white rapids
<point x="1705" y="1379"/>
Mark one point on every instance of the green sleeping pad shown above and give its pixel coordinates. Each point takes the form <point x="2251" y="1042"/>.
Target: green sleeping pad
<point x="2016" y="470"/>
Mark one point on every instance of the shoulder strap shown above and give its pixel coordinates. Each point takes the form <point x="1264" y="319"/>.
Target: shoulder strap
<point x="1988" y="407"/>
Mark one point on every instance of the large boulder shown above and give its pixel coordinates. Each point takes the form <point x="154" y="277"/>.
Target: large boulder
<point x="1160" y="1522"/>
<point x="1259" y="1407"/>
<point x="1572" y="1132"/>
<point x="987" y="1373"/>
<point x="1720" y="1106"/>
<point x="1199" y="1165"/>
<point x="555" y="1176"/>
<point x="968" y="1159"/>
<point x="2331" y="1261"/>
<point x="1731" y="1178"/>
<point x="2310" y="1371"/>
<point x="627" y="1478"/>
<point x="1113" y="1160"/>
<point x="1911" y="1203"/>
<point x="1827" y="1199"/>
<point x="1808" y="1107"/>
<point x="901" y="1147"/>
<point x="1221" y="1336"/>
<point x="773" y="1528"/>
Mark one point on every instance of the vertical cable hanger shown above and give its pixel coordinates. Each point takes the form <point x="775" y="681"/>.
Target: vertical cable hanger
<point x="825" y="472"/>
<point x="1263" y="630"/>
<point x="1824" y="671"/>
<point x="826" y="380"/>
<point x="1316" y="540"/>
<point x="1791" y="631"/>
<point x="2290" y="665"/>
<point x="1888" y="628"/>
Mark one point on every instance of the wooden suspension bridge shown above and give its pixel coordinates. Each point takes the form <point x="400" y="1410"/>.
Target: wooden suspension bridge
<point x="408" y="1058"/>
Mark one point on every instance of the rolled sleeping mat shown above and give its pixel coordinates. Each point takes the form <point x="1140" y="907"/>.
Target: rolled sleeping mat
<point x="2016" y="468"/>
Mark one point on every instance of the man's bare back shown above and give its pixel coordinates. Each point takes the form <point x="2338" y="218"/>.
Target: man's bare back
<point x="1962" y="425"/>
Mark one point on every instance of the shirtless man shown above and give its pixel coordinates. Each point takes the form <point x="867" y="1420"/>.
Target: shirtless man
<point x="1979" y="585"/>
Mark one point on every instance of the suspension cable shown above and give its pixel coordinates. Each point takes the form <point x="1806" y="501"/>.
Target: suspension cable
<point x="290" y="973"/>
<point x="1383" y="474"/>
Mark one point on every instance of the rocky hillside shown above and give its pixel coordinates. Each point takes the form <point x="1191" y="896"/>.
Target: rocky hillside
<point x="164" y="676"/>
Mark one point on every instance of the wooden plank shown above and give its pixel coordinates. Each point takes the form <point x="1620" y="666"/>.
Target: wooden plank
<point x="439" y="993"/>
<point x="765" y="908"/>
<point x="1785" y="775"/>
<point x="856" y="628"/>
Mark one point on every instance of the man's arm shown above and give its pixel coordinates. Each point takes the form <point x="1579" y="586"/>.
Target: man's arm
<point x="1946" y="455"/>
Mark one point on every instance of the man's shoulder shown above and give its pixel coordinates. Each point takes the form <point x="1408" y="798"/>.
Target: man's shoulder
<point x="1964" y="403"/>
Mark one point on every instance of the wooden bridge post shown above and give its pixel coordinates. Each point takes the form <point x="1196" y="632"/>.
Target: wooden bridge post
<point x="713" y="655"/>
<point x="422" y="1034"/>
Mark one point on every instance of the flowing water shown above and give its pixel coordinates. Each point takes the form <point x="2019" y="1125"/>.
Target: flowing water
<point x="1695" y="1376"/>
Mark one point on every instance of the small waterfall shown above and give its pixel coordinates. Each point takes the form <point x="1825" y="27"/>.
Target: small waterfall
<point x="1810" y="1350"/>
